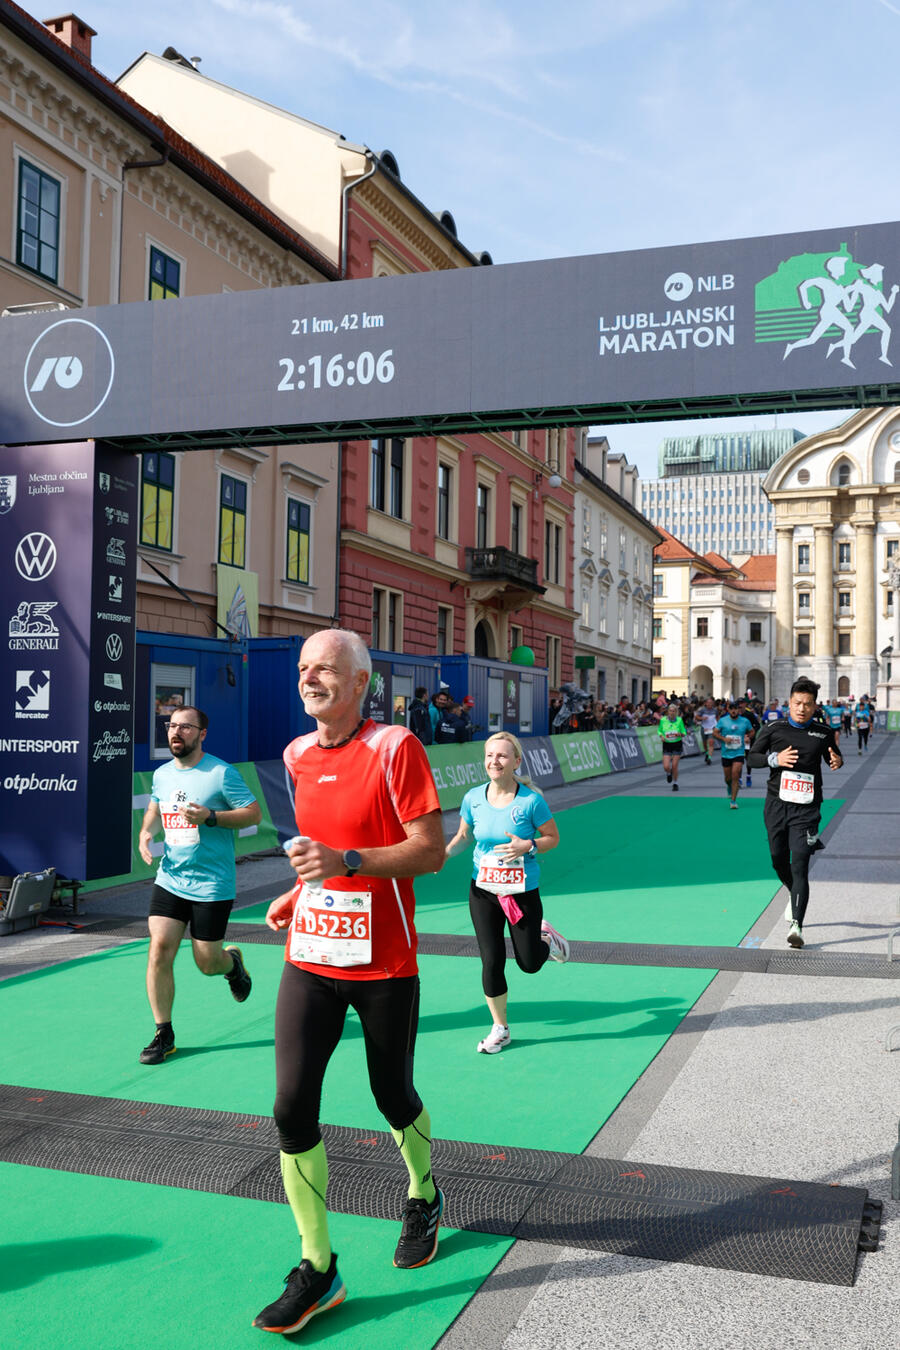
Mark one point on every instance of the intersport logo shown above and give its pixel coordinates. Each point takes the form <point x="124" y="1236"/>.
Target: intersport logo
<point x="69" y="372"/>
<point x="35" y="556"/>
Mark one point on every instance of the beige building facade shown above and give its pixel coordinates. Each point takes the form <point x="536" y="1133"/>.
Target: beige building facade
<point x="101" y="202"/>
<point x="837" y="522"/>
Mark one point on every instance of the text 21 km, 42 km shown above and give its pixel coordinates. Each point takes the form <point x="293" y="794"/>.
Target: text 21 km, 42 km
<point x="347" y="323"/>
<point x="311" y="373"/>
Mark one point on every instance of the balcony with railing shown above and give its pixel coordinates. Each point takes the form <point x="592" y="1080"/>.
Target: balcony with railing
<point x="501" y="564"/>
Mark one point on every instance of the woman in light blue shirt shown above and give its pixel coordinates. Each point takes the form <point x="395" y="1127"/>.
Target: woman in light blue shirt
<point x="511" y="824"/>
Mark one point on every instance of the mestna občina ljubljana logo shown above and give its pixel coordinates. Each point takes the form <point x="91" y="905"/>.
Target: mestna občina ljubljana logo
<point x="69" y="372"/>
<point x="828" y="301"/>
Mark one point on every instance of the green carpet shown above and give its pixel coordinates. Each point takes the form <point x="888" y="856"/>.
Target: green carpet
<point x="582" y="1035"/>
<point x="95" y="1264"/>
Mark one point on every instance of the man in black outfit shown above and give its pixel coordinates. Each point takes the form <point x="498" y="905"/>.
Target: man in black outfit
<point x="794" y="749"/>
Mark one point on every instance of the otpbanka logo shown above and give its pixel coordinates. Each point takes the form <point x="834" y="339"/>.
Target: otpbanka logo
<point x="828" y="299"/>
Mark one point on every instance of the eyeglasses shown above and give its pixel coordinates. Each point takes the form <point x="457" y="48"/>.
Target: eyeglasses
<point x="181" y="726"/>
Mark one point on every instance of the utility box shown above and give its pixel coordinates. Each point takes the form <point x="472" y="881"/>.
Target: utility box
<point x="23" y="899"/>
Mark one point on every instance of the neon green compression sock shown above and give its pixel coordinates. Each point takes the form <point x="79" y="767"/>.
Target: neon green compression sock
<point x="305" y="1177"/>
<point x="414" y="1144"/>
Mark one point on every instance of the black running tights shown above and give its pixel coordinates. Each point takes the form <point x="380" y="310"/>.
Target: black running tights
<point x="309" y="1019"/>
<point x="529" y="948"/>
<point x="793" y="839"/>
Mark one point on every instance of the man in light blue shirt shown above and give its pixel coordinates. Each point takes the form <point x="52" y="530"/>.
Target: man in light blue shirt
<point x="199" y="801"/>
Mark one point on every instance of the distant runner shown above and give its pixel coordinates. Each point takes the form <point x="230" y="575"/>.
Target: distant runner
<point x="863" y="721"/>
<point x="707" y="717"/>
<point x="672" y="732"/>
<point x="511" y="824"/>
<point x="733" y="731"/>
<point x="795" y="749"/>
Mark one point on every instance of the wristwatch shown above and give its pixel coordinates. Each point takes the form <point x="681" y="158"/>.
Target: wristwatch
<point x="352" y="861"/>
<point x="210" y="819"/>
<point x="532" y="852"/>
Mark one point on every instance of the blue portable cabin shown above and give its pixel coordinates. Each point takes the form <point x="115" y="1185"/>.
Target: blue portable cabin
<point x="401" y="676"/>
<point x="211" y="673"/>
<point x="507" y="697"/>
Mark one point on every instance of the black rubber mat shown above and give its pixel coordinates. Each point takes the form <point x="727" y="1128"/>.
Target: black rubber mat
<point x="756" y="960"/>
<point x="758" y="1225"/>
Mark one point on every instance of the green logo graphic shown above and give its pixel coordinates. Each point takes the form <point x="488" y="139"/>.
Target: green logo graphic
<point x="510" y="689"/>
<point x="376" y="685"/>
<point x="825" y="298"/>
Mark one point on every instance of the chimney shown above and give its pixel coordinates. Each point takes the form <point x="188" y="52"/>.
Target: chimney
<point x="74" y="32"/>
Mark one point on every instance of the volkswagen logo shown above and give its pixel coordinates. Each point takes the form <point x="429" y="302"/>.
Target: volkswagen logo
<point x="114" y="647"/>
<point x="35" y="556"/>
<point x="69" y="372"/>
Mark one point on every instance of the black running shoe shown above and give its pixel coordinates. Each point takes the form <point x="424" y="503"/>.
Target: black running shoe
<point x="238" y="980"/>
<point x="159" y="1049"/>
<point x="306" y="1292"/>
<point x="419" y="1238"/>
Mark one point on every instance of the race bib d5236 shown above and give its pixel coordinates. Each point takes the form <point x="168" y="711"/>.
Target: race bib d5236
<point x="332" y="928"/>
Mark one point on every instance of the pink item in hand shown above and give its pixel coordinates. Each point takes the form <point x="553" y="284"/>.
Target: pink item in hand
<point x="510" y="907"/>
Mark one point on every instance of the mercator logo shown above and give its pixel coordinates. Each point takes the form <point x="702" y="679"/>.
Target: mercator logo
<point x="69" y="372"/>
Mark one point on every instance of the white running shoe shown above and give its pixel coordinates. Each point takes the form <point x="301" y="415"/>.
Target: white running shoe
<point x="495" y="1040"/>
<point x="734" y="806"/>
<point x="795" y="935"/>
<point x="559" y="947"/>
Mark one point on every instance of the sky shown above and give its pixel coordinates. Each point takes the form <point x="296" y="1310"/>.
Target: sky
<point x="590" y="126"/>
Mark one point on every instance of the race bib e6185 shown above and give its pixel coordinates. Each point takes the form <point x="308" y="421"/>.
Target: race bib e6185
<point x="796" y="787"/>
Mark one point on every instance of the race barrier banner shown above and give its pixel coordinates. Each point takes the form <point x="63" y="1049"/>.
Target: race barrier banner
<point x="624" y="750"/>
<point x="650" y="744"/>
<point x="582" y="755"/>
<point x="541" y="763"/>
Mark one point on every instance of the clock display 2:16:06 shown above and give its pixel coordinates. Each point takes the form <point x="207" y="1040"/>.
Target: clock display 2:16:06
<point x="335" y="371"/>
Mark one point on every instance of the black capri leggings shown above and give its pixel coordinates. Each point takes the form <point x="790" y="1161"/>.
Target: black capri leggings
<point x="862" y="737"/>
<point x="489" y="921"/>
<point x="309" y="1019"/>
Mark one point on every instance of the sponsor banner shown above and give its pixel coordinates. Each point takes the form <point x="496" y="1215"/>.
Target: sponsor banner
<point x="782" y="316"/>
<point x="582" y="755"/>
<point x="651" y="744"/>
<point x="510" y="701"/>
<point x="891" y="719"/>
<point x="376" y="701"/>
<point x="456" y="768"/>
<point x="68" y="582"/>
<point x="540" y="763"/>
<point x="623" y="749"/>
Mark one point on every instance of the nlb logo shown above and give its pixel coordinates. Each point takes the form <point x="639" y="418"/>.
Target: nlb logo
<point x="35" y="556"/>
<point x="69" y="372"/>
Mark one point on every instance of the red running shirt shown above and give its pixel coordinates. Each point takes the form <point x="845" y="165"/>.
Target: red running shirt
<point x="359" y="796"/>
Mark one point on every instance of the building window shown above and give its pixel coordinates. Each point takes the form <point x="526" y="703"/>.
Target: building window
<point x="803" y="644"/>
<point x="585" y="607"/>
<point x="554" y="660"/>
<point x="297" y="553"/>
<point x="515" y="527"/>
<point x="803" y="605"/>
<point x="843" y="644"/>
<point x="702" y="626"/>
<point x="843" y="474"/>
<point x="897" y="472"/>
<point x="891" y="551"/>
<point x="516" y="636"/>
<point x="37" y="241"/>
<point x="658" y="584"/>
<point x="482" y="515"/>
<point x="755" y="630"/>
<point x="232" y="521"/>
<point x="803" y="557"/>
<point x="387" y="620"/>
<point x="622" y="551"/>
<point x="604" y="539"/>
<point x="165" y="276"/>
<point x="444" y="630"/>
<point x="445" y="474"/>
<point x="603" y="615"/>
<point x="725" y="629"/>
<point x="157" y="500"/>
<point x="552" y="552"/>
<point x="386" y="476"/>
<point x="656" y="665"/>
<point x="844" y="557"/>
<point x="844" y="602"/>
<point x="657" y="628"/>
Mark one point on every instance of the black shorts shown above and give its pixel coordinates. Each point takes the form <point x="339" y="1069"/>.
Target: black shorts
<point x="671" y="747"/>
<point x="732" y="759"/>
<point x="207" y="919"/>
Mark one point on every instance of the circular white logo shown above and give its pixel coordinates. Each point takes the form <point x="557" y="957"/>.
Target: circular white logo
<point x="678" y="287"/>
<point x="69" y="372"/>
<point x="35" y="556"/>
<point x="114" y="647"/>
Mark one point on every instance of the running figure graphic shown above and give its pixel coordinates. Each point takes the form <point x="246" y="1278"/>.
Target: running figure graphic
<point x="833" y="297"/>
<point x="868" y="317"/>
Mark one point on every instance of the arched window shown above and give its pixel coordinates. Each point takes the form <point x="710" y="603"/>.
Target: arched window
<point x="844" y="686"/>
<point x="843" y="475"/>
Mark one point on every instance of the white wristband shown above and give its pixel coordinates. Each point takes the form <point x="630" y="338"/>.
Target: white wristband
<point x="772" y="759"/>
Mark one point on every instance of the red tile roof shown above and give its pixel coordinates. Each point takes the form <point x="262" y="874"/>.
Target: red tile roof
<point x="673" y="550"/>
